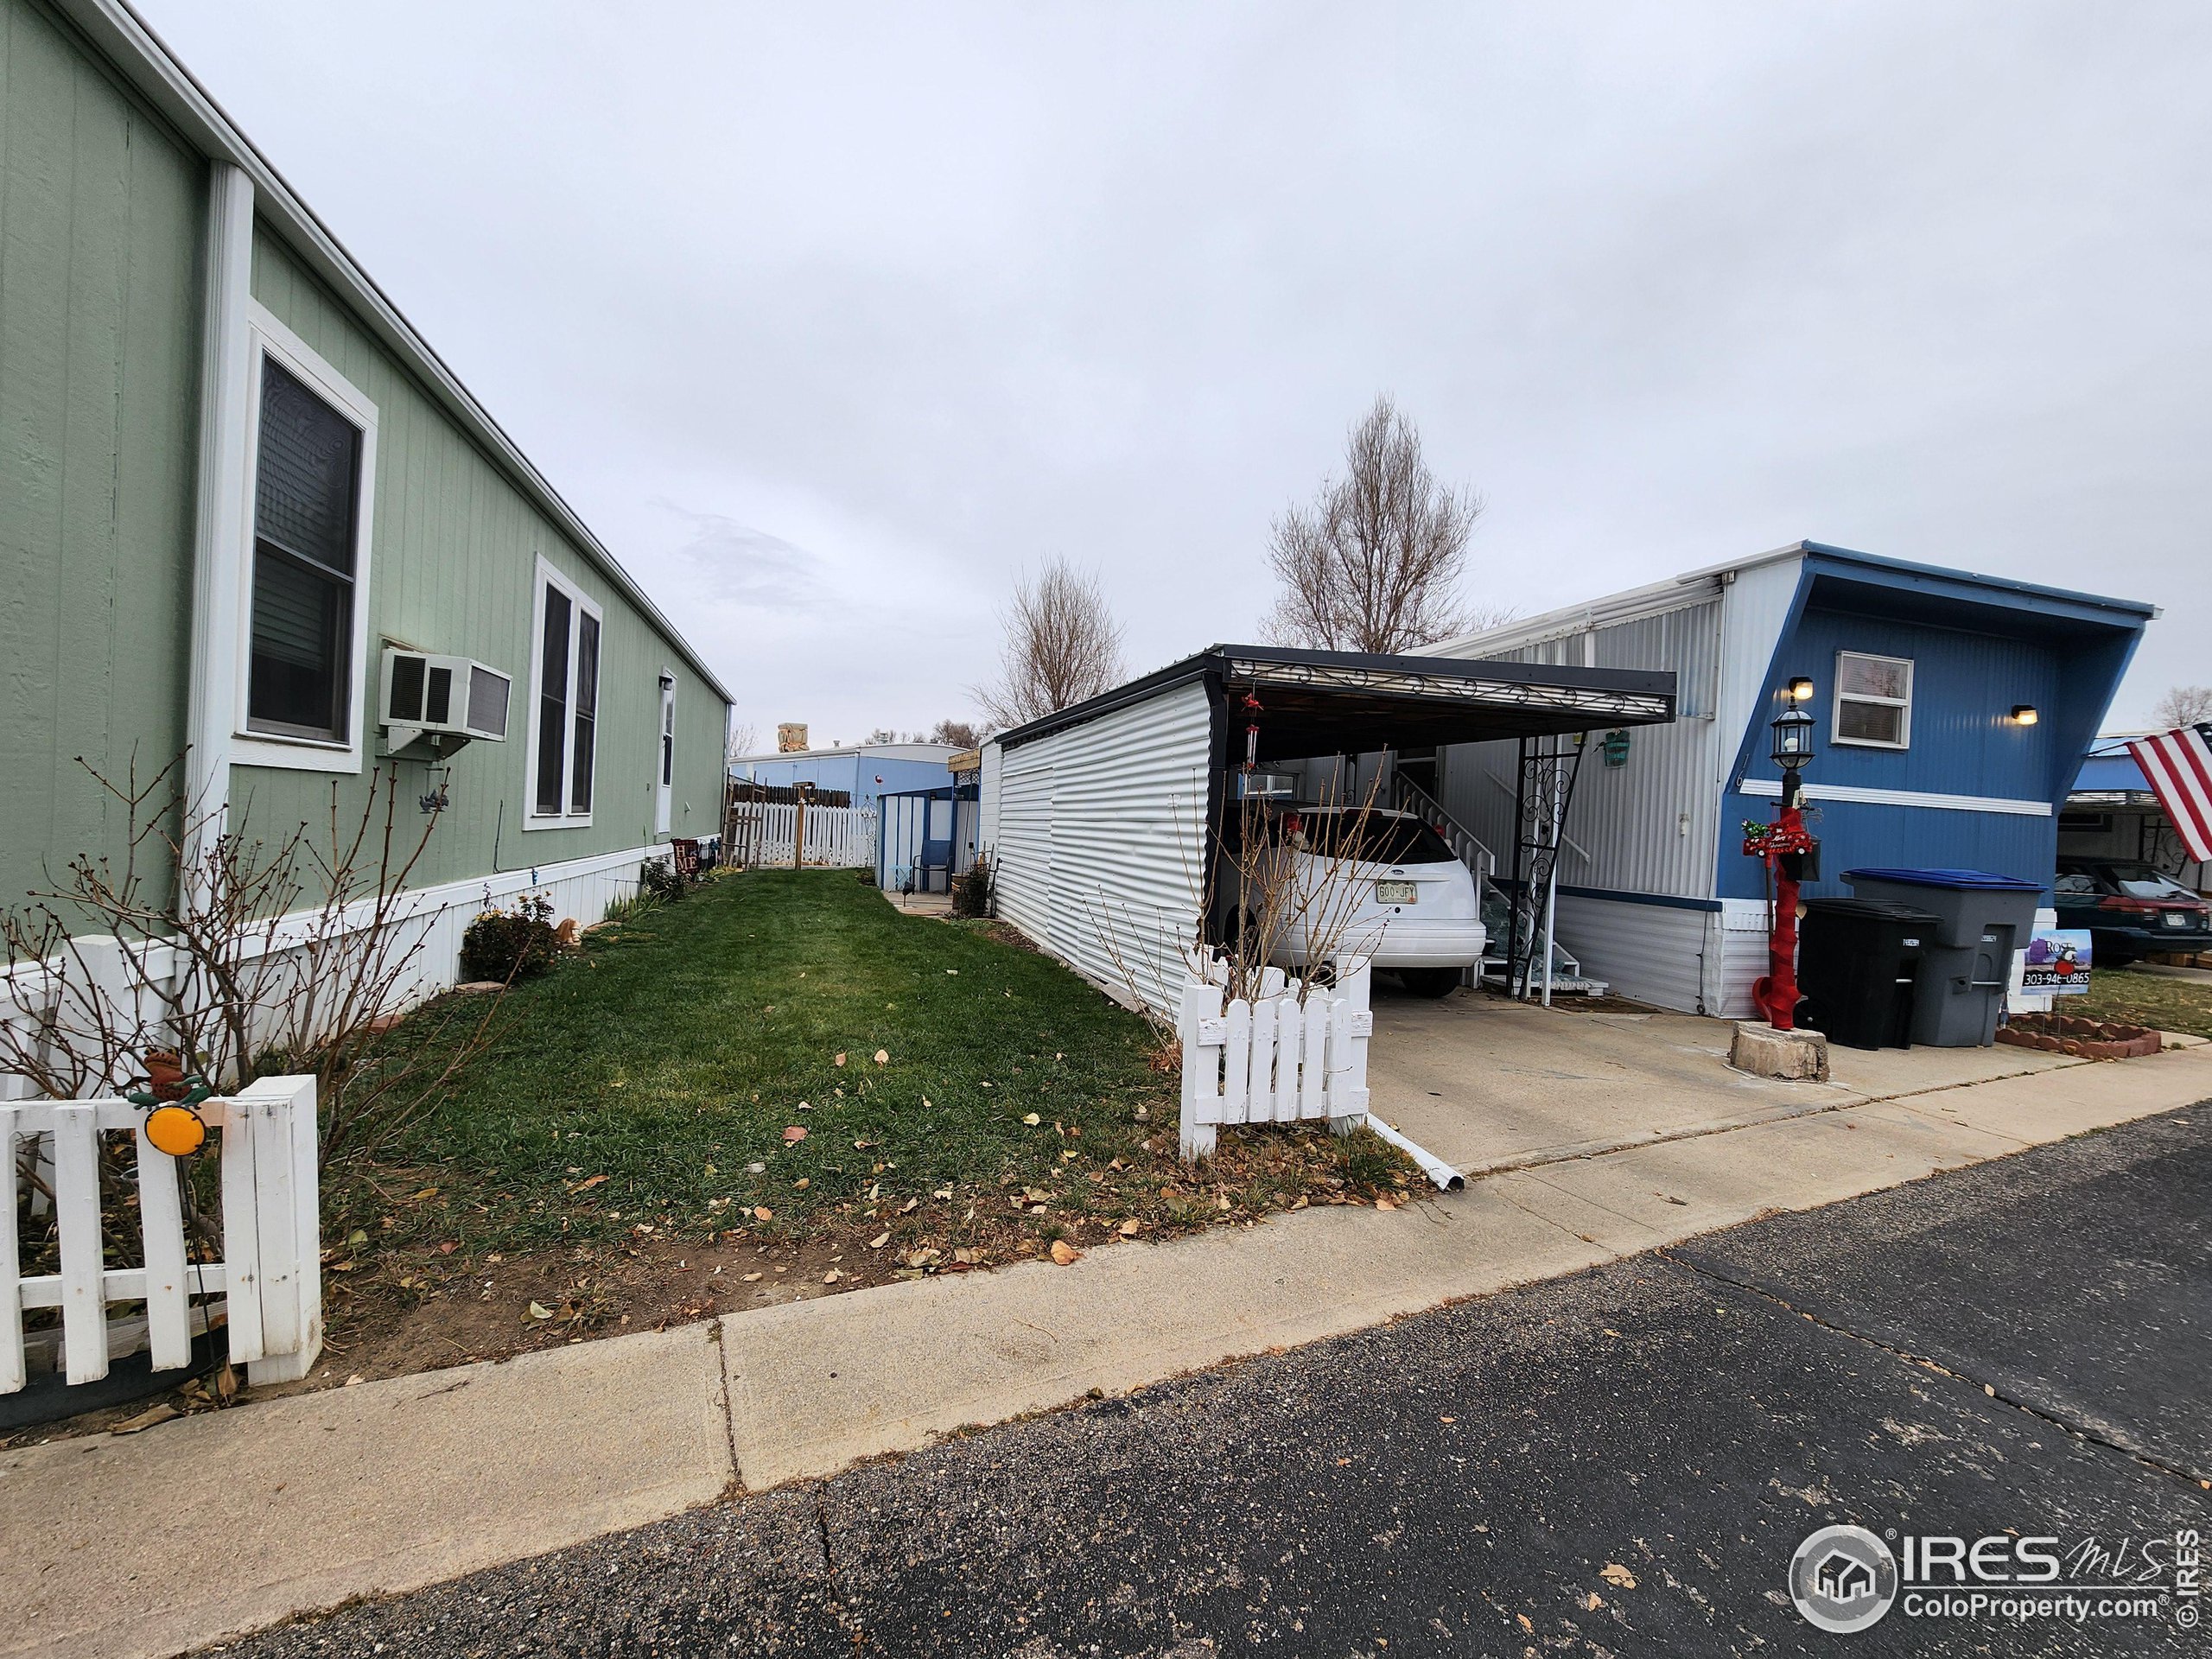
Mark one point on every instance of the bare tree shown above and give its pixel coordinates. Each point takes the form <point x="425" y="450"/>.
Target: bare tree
<point x="961" y="734"/>
<point x="744" y="739"/>
<point x="1062" y="645"/>
<point x="1374" y="563"/>
<point x="2184" y="705"/>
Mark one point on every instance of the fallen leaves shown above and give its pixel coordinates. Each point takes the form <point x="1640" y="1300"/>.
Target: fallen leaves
<point x="538" y="1310"/>
<point x="882" y="1057"/>
<point x="1033" y="1120"/>
<point x="1130" y="1227"/>
<point x="1065" y="1253"/>
<point x="160" y="1412"/>
<point x="1614" y="1573"/>
<point x="586" y="1185"/>
<point x="839" y="1060"/>
<point x="879" y="1241"/>
<point x="793" y="1134"/>
<point x="762" y="1212"/>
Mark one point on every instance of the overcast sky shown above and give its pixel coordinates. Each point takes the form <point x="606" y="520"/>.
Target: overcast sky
<point x="830" y="320"/>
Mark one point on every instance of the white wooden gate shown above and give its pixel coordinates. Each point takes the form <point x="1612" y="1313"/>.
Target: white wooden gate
<point x="270" y="1275"/>
<point x="1296" y="1051"/>
<point x="837" y="837"/>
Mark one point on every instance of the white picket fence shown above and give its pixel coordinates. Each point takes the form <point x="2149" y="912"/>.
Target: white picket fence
<point x="1297" y="1052"/>
<point x="270" y="1276"/>
<point x="837" y="837"/>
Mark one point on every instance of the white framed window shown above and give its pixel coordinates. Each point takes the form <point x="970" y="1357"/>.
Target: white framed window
<point x="664" y="779"/>
<point x="1873" y="700"/>
<point x="303" y="629"/>
<point x="565" y="630"/>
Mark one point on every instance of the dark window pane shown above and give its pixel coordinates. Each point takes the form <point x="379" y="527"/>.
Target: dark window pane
<point x="580" y="788"/>
<point x="552" y="701"/>
<point x="1870" y="722"/>
<point x="587" y="712"/>
<point x="587" y="663"/>
<point x="303" y="623"/>
<point x="305" y="475"/>
<point x="306" y="469"/>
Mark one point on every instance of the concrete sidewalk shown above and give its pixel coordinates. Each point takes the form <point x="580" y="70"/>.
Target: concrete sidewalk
<point x="221" y="1523"/>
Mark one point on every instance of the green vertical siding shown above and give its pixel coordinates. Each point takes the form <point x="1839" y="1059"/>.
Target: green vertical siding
<point x="99" y="305"/>
<point x="453" y="567"/>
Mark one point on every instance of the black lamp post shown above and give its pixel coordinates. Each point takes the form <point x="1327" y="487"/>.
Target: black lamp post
<point x="1783" y="845"/>
<point x="1793" y="747"/>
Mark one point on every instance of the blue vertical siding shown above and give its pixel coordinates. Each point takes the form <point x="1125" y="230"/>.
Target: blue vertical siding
<point x="1963" y="743"/>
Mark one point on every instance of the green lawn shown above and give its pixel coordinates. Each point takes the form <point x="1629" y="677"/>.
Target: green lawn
<point x="2142" y="998"/>
<point x="638" y="1085"/>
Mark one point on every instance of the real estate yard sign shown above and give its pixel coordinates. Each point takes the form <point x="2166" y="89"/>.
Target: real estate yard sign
<point x="2058" y="961"/>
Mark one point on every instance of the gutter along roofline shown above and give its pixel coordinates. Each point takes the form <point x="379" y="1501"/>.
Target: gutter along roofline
<point x="125" y="39"/>
<point x="1629" y="696"/>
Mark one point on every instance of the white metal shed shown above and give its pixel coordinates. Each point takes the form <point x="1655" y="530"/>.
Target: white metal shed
<point x="1099" y="819"/>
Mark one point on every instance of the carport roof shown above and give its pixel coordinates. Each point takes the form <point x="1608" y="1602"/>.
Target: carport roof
<point x="1351" y="702"/>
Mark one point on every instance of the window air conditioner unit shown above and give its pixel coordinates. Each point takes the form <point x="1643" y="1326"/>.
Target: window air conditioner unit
<point x="440" y="703"/>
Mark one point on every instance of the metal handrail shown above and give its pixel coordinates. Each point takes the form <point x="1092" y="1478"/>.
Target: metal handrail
<point x="1410" y="796"/>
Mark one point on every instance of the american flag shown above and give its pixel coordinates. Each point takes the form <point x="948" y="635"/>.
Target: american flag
<point x="2179" y="766"/>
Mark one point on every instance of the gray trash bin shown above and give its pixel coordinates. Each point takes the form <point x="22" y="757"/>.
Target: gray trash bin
<point x="1982" y="920"/>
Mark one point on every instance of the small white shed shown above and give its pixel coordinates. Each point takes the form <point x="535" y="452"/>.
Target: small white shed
<point x="1100" y="819"/>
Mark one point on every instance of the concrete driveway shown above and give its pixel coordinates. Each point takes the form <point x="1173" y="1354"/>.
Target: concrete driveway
<point x="1489" y="1084"/>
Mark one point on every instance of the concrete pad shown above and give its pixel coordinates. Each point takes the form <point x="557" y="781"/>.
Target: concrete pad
<point x="815" y="1385"/>
<point x="1487" y="1085"/>
<point x="221" y="1523"/>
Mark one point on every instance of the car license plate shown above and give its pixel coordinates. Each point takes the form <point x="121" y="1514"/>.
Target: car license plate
<point x="1395" y="892"/>
<point x="2177" y="919"/>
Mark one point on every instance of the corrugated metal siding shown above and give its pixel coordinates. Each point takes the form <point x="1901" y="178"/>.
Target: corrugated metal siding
<point x="1653" y="953"/>
<point x="987" y="803"/>
<point x="1754" y="609"/>
<point x="1024" y="850"/>
<point x="1737" y="954"/>
<point x="1101" y="841"/>
<point x="101" y="216"/>
<point x="1647" y="826"/>
<point x="453" y="570"/>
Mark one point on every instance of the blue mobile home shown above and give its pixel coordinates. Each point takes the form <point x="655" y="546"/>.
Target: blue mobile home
<point x="865" y="772"/>
<point x="1952" y="710"/>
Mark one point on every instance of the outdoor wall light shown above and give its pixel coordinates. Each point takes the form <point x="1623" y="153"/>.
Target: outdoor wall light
<point x="1800" y="689"/>
<point x="2024" y="713"/>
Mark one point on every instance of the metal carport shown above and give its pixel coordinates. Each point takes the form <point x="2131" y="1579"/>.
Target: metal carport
<point x="1098" y="818"/>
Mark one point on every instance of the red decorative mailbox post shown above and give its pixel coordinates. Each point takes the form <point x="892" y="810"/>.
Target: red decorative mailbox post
<point x="1790" y="854"/>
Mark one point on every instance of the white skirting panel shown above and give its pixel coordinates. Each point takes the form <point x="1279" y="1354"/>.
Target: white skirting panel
<point x="1649" y="953"/>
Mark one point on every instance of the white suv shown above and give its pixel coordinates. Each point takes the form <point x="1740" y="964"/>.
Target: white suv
<point x="1404" y="900"/>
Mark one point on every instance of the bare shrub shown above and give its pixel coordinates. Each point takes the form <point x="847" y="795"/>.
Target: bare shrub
<point x="246" y="957"/>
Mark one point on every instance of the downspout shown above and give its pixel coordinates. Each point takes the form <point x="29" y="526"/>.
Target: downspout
<point x="219" y="536"/>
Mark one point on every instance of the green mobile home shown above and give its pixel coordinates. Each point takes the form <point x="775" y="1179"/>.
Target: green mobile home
<point x="248" y="517"/>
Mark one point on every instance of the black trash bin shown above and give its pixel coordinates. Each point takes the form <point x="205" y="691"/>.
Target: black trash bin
<point x="1857" y="962"/>
<point x="1982" y="920"/>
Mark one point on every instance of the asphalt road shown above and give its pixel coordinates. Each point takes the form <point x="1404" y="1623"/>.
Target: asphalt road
<point x="1621" y="1462"/>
